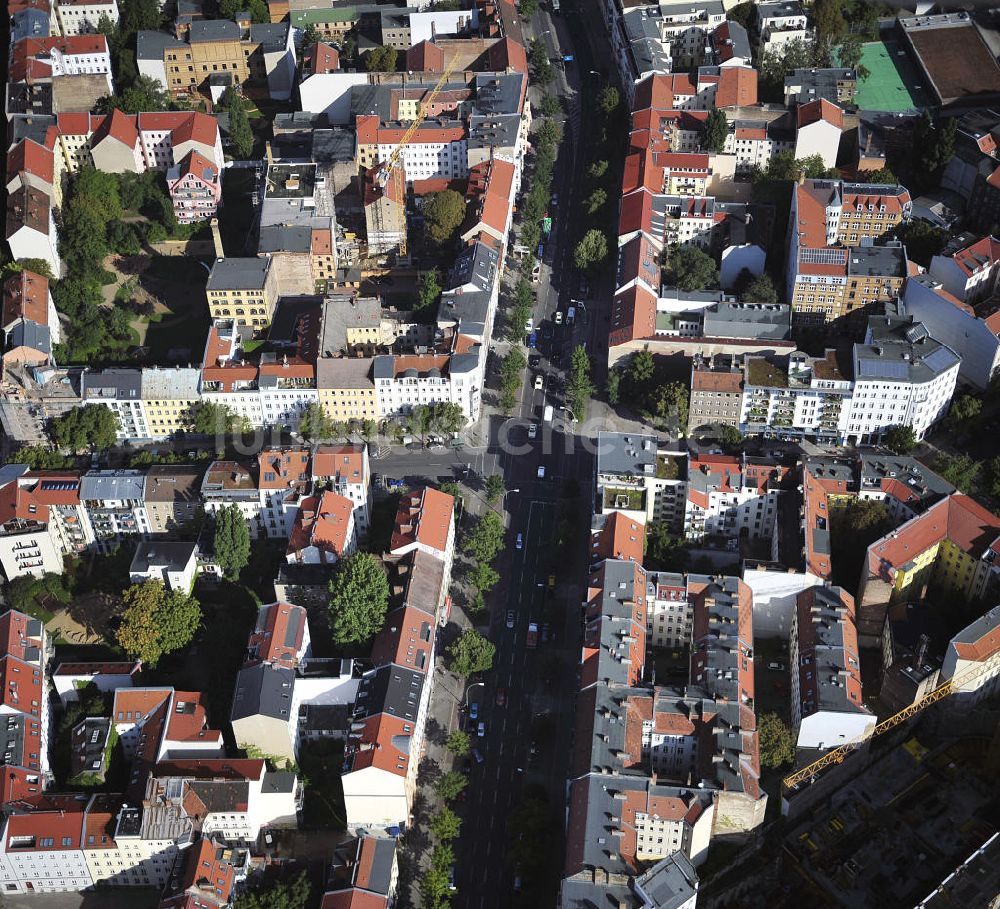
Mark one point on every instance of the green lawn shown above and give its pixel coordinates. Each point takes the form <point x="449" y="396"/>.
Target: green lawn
<point x="894" y="83"/>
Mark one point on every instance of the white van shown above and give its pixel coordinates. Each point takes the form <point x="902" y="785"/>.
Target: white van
<point x="547" y="415"/>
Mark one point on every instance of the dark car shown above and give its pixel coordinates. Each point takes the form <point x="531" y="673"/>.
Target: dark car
<point x="534" y="360"/>
<point x="501" y="697"/>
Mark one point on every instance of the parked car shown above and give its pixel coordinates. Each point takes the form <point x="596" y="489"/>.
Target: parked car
<point x="520" y="541"/>
<point x="534" y="361"/>
<point x="481" y="729"/>
<point x="501" y="697"/>
<point x="558" y="317"/>
<point x="541" y="473"/>
<point x="477" y="755"/>
<point x="474" y="711"/>
<point x="539" y="382"/>
<point x="510" y="618"/>
<point x="533" y="431"/>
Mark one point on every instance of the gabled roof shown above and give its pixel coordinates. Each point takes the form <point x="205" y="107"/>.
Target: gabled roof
<point x="737" y="87"/>
<point x="819" y="109"/>
<point x="25" y="296"/>
<point x="620" y="537"/>
<point x="424" y="516"/>
<point x="425" y="57"/>
<point x="119" y="126"/>
<point x="32" y="158"/>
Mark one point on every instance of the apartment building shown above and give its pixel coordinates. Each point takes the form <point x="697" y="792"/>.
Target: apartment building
<point x="716" y="392"/>
<point x="195" y="188"/>
<point x="114" y="501"/>
<point x="780" y="22"/>
<point x="613" y="535"/>
<point x="971" y="328"/>
<point x="754" y="141"/>
<point x="346" y="388"/>
<point x="41" y="851"/>
<point x="27" y="305"/>
<point x="438" y="149"/>
<point x="284" y="479"/>
<point x="851" y="285"/>
<point x="69" y="678"/>
<point x="172" y="497"/>
<point x="41" y="59"/>
<point x="44" y="521"/>
<point x="972" y="660"/>
<point x="826" y="670"/>
<point x="670" y="612"/>
<point x="639" y="479"/>
<point x="365" y="871"/>
<point x="25" y="652"/>
<point x="324" y="530"/>
<point x="732" y="496"/>
<point x="120" y="390"/>
<point x="950" y="547"/>
<point x="837" y="85"/>
<point x="819" y="125"/>
<point x="159" y="724"/>
<point x="405" y="382"/>
<point x="31" y="227"/>
<point x="243" y="291"/>
<point x="228" y="483"/>
<point x="345" y="470"/>
<point x="166" y="398"/>
<point x="209" y="876"/>
<point x="81" y="17"/>
<point x="829" y="214"/>
<point x="171" y="563"/>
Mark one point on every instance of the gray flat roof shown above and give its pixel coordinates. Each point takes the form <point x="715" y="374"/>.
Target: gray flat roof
<point x="238" y="273"/>
<point x="626" y="453"/>
<point x="174" y="556"/>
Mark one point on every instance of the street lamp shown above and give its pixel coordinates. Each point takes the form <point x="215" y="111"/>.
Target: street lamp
<point x="465" y="700"/>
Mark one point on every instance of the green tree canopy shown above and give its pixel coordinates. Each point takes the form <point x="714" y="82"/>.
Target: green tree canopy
<point x="91" y="427"/>
<point x="900" y="439"/>
<point x="240" y="132"/>
<point x="208" y="418"/>
<point x="959" y="470"/>
<point x="458" y="743"/>
<point x="608" y="100"/>
<point x="883" y="176"/>
<point x="716" y="130"/>
<point x="289" y="894"/>
<point x="596" y="201"/>
<point x="932" y="148"/>
<point x="922" y="240"/>
<point x="231" y="542"/>
<point x="991" y="477"/>
<point x="359" y="598"/>
<point x="381" y="59"/>
<point x="761" y="290"/>
<point x="777" y="741"/>
<point x="579" y="385"/>
<point x="41" y="457"/>
<point x="485" y="541"/>
<point x="314" y="424"/>
<point x="443" y="214"/>
<point x="445" y="824"/>
<point x="471" y="653"/>
<point x="964" y="409"/>
<point x="689" y="268"/>
<point x="428" y="294"/>
<point x="592" y="251"/>
<point x="495" y="487"/>
<point x="664" y="551"/>
<point x="156" y="621"/>
<point x="450" y="785"/>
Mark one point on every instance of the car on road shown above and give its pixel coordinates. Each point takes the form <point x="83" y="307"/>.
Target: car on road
<point x="571" y="315"/>
<point x="481" y="729"/>
<point x="451" y="878"/>
<point x="501" y="697"/>
<point x="477" y="755"/>
<point x="510" y="618"/>
<point x="534" y="361"/>
<point x="545" y="633"/>
<point x="519" y="542"/>
<point x="529" y="326"/>
<point x="541" y="473"/>
<point x="776" y="666"/>
<point x="558" y="317"/>
<point x="555" y="199"/>
<point x="539" y="382"/>
<point x="533" y="431"/>
<point x="474" y="711"/>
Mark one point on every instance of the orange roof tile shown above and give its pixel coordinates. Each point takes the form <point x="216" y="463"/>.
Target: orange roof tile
<point x="26" y="296"/>
<point x="424" y="516"/>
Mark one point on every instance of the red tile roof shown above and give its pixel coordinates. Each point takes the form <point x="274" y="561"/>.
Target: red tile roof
<point x="424" y="516"/>
<point x="620" y="538"/>
<point x="353" y="899"/>
<point x="819" y="109"/>
<point x="26" y="296"/>
<point x="322" y="58"/>
<point x="507" y="55"/>
<point x="979" y="255"/>
<point x="737" y="87"/>
<point x="30" y="157"/>
<point x="375" y="744"/>
<point x="324" y="522"/>
<point x="119" y="126"/>
<point x="714" y="380"/>
<point x="343" y="462"/>
<point x="425" y="57"/>
<point x="407" y="640"/>
<point x="281" y="468"/>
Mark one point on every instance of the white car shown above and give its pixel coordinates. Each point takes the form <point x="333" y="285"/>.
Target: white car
<point x="533" y="431"/>
<point x="520" y="541"/>
<point x="539" y="382"/>
<point x="529" y="327"/>
<point x="558" y="317"/>
<point x="541" y="473"/>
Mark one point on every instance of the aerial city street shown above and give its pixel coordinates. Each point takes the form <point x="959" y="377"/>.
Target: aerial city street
<point x="494" y="455"/>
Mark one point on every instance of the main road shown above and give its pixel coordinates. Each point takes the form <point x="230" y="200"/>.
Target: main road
<point x="537" y="685"/>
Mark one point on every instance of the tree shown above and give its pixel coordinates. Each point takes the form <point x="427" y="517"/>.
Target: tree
<point x="16" y="266"/>
<point x="231" y="542"/>
<point x="591" y="252"/>
<point x="445" y="824"/>
<point x="579" y="385"/>
<point x="495" y="488"/>
<point x="922" y="240"/>
<point x="471" y="653"/>
<point x="91" y="427"/>
<point x="964" y="409"/>
<point x="486" y="539"/>
<point x="208" y="418"/>
<point x="884" y="176"/>
<point x="550" y="105"/>
<point x="853" y="528"/>
<point x="310" y="37"/>
<point x="458" y="743"/>
<point x="443" y="214"/>
<point x="900" y="439"/>
<point x="641" y="367"/>
<point x="315" y="423"/>
<point x="428" y="294"/>
<point x="291" y="894"/>
<point x="849" y="54"/>
<point x="670" y="403"/>
<point x="932" y="148"/>
<point x="777" y="741"/>
<point x="527" y="9"/>
<point x="730" y="436"/>
<point x="156" y="621"/>
<point x="960" y="470"/>
<point x="761" y="290"/>
<point x="381" y="59"/>
<point x="991" y="480"/>
<point x="614" y="386"/>
<point x="144" y="94"/>
<point x="41" y="457"/>
<point x="240" y="133"/>
<point x="596" y="201"/>
<point x="716" y="130"/>
<point x="450" y="786"/>
<point x="483" y="577"/>
<point x="359" y="598"/>
<point x="689" y="268"/>
<point x="663" y="551"/>
<point x="538" y="62"/>
<point x="597" y="170"/>
<point x="608" y="100"/>
<point x="743" y="13"/>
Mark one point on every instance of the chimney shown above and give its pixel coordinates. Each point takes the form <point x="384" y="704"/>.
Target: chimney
<point x="217" y="239"/>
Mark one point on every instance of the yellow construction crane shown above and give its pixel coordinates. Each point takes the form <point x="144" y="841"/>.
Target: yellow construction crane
<point x="837" y="755"/>
<point x="390" y="170"/>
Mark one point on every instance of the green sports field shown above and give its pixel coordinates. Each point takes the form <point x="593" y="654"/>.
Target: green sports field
<point x="895" y="83"/>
